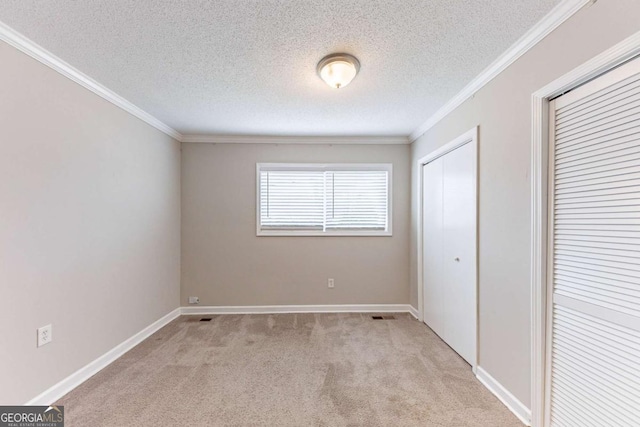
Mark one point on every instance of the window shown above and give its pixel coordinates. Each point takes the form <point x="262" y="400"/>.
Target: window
<point x="324" y="199"/>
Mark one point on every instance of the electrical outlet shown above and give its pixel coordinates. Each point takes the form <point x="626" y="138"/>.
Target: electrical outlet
<point x="45" y="335"/>
<point x="331" y="283"/>
<point x="194" y="300"/>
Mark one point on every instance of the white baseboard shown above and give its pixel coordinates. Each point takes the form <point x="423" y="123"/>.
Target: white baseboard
<point x="510" y="401"/>
<point x="414" y="312"/>
<point x="272" y="309"/>
<point x="72" y="381"/>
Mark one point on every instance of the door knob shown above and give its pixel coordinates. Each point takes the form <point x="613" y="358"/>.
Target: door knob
<point x="456" y="259"/>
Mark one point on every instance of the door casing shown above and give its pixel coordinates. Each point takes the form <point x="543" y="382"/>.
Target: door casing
<point x="540" y="145"/>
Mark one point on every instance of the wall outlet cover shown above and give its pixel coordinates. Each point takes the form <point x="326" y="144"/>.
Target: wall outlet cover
<point x="45" y="335"/>
<point x="194" y="300"/>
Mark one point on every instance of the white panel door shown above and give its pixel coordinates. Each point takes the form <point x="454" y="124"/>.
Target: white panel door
<point x="459" y="250"/>
<point x="433" y="227"/>
<point x="593" y="364"/>
<point x="449" y="249"/>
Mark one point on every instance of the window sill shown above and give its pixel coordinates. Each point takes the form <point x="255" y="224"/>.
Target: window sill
<point x="313" y="233"/>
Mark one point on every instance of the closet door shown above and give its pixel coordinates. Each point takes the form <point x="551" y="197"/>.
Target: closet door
<point x="459" y="250"/>
<point x="449" y="248"/>
<point x="594" y="349"/>
<point x="433" y="241"/>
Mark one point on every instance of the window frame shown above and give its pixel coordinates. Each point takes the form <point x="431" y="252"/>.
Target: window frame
<point x="388" y="167"/>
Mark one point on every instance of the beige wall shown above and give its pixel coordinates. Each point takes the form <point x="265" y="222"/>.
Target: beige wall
<point x="502" y="110"/>
<point x="89" y="225"/>
<point x="224" y="263"/>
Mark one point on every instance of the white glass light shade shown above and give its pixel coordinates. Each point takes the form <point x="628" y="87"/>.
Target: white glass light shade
<point x="338" y="70"/>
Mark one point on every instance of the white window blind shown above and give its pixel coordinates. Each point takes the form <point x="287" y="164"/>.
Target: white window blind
<point x="312" y="199"/>
<point x="292" y="200"/>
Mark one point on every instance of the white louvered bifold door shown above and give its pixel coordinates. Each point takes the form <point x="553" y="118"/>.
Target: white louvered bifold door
<point x="594" y="348"/>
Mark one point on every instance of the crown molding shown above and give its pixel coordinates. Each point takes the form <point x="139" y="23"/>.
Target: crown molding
<point x="551" y="21"/>
<point x="258" y="139"/>
<point x="37" y="52"/>
<point x="546" y="25"/>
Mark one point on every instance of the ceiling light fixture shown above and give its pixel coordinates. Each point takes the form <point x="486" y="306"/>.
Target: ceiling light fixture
<point x="338" y="69"/>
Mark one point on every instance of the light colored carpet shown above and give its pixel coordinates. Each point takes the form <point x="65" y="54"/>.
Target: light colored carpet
<point x="288" y="370"/>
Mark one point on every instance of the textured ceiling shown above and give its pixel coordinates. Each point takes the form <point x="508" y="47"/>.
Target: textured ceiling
<point x="248" y="67"/>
